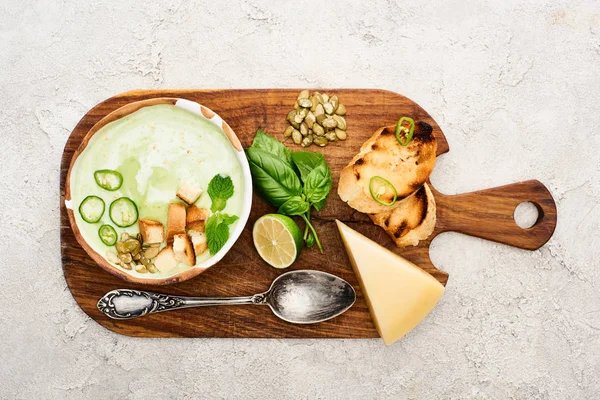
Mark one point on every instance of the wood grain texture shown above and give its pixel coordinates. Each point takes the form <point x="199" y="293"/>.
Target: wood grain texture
<point x="487" y="214"/>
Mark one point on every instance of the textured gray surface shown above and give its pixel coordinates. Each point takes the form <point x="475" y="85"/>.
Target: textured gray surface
<point x="514" y="85"/>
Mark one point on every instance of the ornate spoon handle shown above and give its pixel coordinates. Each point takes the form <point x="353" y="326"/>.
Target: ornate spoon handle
<point x="129" y="303"/>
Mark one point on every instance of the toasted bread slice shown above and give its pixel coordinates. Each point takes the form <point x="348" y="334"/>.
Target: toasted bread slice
<point x="151" y="231"/>
<point x="184" y="249"/>
<point x="189" y="193"/>
<point x="412" y="221"/>
<point x="198" y="241"/>
<point x="196" y="218"/>
<point x="405" y="167"/>
<point x="175" y="220"/>
<point x="165" y="260"/>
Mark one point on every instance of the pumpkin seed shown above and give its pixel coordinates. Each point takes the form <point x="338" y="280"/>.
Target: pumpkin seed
<point x="325" y="97"/>
<point x="296" y="106"/>
<point x="319" y="110"/>
<point x="131" y="246"/>
<point x="152" y="252"/>
<point x="318" y="130"/>
<point x="328" y="108"/>
<point x="341" y="110"/>
<point x="119" y="247"/>
<point x="340" y="134"/>
<point x="305" y="103"/>
<point x="300" y="115"/>
<point x="288" y="131"/>
<point x="303" y="129"/>
<point x="124" y="236"/>
<point x="321" y="118"/>
<point x="320" y="141"/>
<point x="319" y="97"/>
<point x="151" y="268"/>
<point x="307" y="141"/>
<point x="335" y="102"/>
<point x="315" y="102"/>
<point x="125" y="266"/>
<point x="144" y="261"/>
<point x="112" y="257"/>
<point x="310" y="119"/>
<point x="137" y="256"/>
<point x="125" y="258"/>
<point x="303" y="95"/>
<point x="341" y="122"/>
<point x="329" y="123"/>
<point x="296" y="136"/>
<point x="141" y="269"/>
<point x="331" y="136"/>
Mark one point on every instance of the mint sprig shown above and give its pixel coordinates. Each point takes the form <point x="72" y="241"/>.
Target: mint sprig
<point x="220" y="189"/>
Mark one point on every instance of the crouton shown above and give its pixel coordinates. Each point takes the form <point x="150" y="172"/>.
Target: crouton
<point x="184" y="250"/>
<point x="198" y="241"/>
<point x="175" y="220"/>
<point x="151" y="231"/>
<point x="196" y="218"/>
<point x="165" y="260"/>
<point x="189" y="193"/>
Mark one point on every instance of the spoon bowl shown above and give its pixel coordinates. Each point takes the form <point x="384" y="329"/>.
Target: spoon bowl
<point x="299" y="297"/>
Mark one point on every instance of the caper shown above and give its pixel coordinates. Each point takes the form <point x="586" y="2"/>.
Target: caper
<point x="151" y="268"/>
<point x="306" y="103"/>
<point x="124" y="236"/>
<point x="296" y="136"/>
<point x="125" y="257"/>
<point x="320" y="141"/>
<point x="341" y="110"/>
<point x="340" y="134"/>
<point x="131" y="246"/>
<point x="315" y="103"/>
<point x="335" y="102"/>
<point x="307" y="141"/>
<point x="331" y="136"/>
<point x="310" y="119"/>
<point x="141" y="269"/>
<point x="152" y="252"/>
<point x="137" y="256"/>
<point x="328" y="108"/>
<point x="288" y="131"/>
<point x="318" y="130"/>
<point x="319" y="110"/>
<point x="329" y="123"/>
<point x="303" y="95"/>
<point x="340" y="121"/>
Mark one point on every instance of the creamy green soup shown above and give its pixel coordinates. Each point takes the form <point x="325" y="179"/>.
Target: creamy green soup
<point x="156" y="149"/>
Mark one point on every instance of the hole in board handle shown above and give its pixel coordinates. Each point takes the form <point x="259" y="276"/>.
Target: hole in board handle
<point x="527" y="214"/>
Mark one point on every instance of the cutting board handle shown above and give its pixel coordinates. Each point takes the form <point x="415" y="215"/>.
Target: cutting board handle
<point x="489" y="214"/>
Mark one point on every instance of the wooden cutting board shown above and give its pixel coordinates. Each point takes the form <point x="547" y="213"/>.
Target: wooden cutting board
<point x="486" y="214"/>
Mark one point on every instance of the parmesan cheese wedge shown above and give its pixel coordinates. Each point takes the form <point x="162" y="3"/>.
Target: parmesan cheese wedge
<point x="399" y="294"/>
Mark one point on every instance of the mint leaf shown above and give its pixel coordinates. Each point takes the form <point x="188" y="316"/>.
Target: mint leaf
<point x="272" y="146"/>
<point x="220" y="189"/>
<point x="217" y="231"/>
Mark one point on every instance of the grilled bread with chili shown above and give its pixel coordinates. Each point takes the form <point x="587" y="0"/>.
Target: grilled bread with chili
<point x="406" y="168"/>
<point x="412" y="221"/>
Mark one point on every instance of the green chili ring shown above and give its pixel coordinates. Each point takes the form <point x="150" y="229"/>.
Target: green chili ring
<point x="387" y="184"/>
<point x="410" y="133"/>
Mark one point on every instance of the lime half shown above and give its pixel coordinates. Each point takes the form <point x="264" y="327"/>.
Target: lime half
<point x="277" y="239"/>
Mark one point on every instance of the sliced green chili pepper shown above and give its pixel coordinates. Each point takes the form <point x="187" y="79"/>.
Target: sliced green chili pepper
<point x="411" y="130"/>
<point x="108" y="235"/>
<point x="108" y="179"/>
<point x="91" y="209"/>
<point x="376" y="192"/>
<point x="123" y="212"/>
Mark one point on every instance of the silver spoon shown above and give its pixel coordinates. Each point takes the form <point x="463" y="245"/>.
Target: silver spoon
<point x="299" y="297"/>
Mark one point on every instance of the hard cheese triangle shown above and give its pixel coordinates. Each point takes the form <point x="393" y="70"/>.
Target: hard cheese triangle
<point x="399" y="294"/>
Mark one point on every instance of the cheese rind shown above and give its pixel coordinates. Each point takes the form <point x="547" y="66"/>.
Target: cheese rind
<point x="399" y="294"/>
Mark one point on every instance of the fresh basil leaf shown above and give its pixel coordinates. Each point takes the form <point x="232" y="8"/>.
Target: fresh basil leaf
<point x="272" y="146"/>
<point x="217" y="231"/>
<point x="317" y="186"/>
<point x="306" y="161"/>
<point x="294" y="206"/>
<point x="220" y="189"/>
<point x="273" y="177"/>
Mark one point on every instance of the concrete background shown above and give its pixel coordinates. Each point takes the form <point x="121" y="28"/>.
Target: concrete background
<point x="515" y="85"/>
